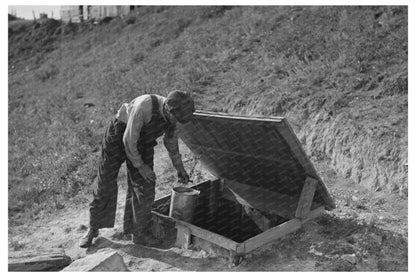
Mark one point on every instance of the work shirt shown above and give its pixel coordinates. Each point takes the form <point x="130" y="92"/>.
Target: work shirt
<point x="136" y="114"/>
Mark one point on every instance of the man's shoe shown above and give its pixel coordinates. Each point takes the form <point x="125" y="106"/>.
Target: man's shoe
<point x="88" y="237"/>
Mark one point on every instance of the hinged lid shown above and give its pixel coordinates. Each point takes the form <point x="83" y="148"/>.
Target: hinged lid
<point x="256" y="151"/>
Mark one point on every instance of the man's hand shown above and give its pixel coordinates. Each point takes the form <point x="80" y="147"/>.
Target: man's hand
<point x="147" y="173"/>
<point x="183" y="177"/>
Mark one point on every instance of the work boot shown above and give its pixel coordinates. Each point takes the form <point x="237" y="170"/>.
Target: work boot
<point x="145" y="239"/>
<point x="88" y="237"/>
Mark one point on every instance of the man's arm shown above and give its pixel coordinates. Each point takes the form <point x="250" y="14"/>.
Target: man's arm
<point x="170" y="141"/>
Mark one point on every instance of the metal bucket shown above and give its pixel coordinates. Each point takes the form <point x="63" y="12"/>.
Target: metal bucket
<point x="183" y="203"/>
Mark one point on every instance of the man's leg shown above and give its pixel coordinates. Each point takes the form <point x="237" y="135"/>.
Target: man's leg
<point x="103" y="207"/>
<point x="139" y="201"/>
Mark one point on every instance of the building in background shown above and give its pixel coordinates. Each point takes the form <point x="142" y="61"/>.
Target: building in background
<point x="92" y="13"/>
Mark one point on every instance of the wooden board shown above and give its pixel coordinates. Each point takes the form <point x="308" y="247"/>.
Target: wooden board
<point x="209" y="236"/>
<point x="313" y="214"/>
<point x="272" y="234"/>
<point x="261" y="221"/>
<point x="53" y="260"/>
<point x="280" y="230"/>
<point x="225" y="116"/>
<point x="260" y="199"/>
<point x="306" y="197"/>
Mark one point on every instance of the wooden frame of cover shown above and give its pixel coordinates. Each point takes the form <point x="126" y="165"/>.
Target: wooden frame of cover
<point x="288" y="185"/>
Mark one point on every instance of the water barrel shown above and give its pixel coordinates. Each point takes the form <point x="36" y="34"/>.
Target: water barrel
<point x="183" y="203"/>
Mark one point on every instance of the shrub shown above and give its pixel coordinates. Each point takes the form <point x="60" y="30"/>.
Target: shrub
<point x="105" y="20"/>
<point x="130" y="19"/>
<point x="47" y="72"/>
<point x="214" y="11"/>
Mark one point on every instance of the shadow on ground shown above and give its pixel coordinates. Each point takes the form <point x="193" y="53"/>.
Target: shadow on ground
<point x="163" y="253"/>
<point x="328" y="243"/>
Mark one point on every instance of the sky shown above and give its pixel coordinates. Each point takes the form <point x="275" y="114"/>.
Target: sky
<point x="26" y="11"/>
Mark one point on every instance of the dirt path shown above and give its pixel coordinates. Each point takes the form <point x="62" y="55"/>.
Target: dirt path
<point x="366" y="232"/>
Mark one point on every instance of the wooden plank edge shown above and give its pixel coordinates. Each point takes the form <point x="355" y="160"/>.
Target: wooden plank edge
<point x="306" y="197"/>
<point x="163" y="217"/>
<point x="313" y="214"/>
<point x="300" y="154"/>
<point x="230" y="196"/>
<point x="272" y="234"/>
<point x="237" y="116"/>
<point x="210" y="236"/>
<point x="260" y="220"/>
<point x="280" y="230"/>
<point x="41" y="263"/>
<point x="285" y="211"/>
<point x="202" y="233"/>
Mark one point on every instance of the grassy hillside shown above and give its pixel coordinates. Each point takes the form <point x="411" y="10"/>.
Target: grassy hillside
<point x="339" y="74"/>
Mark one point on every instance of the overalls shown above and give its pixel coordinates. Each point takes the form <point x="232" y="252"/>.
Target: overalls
<point x="140" y="193"/>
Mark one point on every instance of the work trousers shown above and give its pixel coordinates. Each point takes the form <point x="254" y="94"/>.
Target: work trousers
<point x="140" y="193"/>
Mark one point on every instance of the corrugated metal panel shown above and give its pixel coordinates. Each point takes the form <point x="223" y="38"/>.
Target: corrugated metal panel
<point x="70" y="13"/>
<point x="258" y="151"/>
<point x="95" y="12"/>
<point x="125" y="10"/>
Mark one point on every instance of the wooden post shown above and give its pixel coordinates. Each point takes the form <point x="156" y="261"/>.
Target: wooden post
<point x="183" y="236"/>
<point x="234" y="259"/>
<point x="261" y="221"/>
<point x="306" y="197"/>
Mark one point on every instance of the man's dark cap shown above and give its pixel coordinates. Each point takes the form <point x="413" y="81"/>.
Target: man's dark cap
<point x="181" y="105"/>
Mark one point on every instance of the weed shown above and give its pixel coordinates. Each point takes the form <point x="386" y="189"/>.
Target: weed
<point x="16" y="245"/>
<point x="138" y="57"/>
<point x="46" y="72"/>
<point x="130" y="20"/>
<point x="105" y="20"/>
<point x="214" y="11"/>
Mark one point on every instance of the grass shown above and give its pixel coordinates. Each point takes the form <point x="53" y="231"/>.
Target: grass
<point x="310" y="64"/>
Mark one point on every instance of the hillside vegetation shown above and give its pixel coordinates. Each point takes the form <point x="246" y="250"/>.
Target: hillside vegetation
<point x="339" y="74"/>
